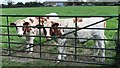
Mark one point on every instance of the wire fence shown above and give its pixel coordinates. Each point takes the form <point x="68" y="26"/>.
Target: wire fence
<point x="77" y="53"/>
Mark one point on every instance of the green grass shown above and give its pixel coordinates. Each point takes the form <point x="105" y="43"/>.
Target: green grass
<point x="76" y="10"/>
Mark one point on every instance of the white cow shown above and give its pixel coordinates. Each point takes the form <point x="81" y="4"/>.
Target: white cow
<point x="83" y="33"/>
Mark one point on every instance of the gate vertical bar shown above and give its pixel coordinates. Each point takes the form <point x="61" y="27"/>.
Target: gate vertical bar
<point x="118" y="45"/>
<point x="9" y="48"/>
<point x="75" y="38"/>
<point x="40" y="38"/>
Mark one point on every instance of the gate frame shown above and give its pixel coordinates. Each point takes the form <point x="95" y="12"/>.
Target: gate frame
<point x="117" y="61"/>
<point x="118" y="45"/>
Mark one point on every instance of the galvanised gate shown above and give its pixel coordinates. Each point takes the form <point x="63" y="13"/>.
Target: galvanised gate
<point x="77" y="54"/>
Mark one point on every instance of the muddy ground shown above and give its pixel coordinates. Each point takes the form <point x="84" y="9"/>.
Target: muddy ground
<point x="47" y="55"/>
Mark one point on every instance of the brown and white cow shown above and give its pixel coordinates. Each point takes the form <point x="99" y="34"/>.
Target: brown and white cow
<point x="26" y="27"/>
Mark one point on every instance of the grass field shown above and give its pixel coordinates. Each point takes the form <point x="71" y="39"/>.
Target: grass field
<point x="74" y="10"/>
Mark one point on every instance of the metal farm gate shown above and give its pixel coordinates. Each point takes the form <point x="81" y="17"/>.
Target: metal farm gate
<point x="76" y="53"/>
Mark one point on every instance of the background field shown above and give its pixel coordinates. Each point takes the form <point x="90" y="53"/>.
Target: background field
<point x="74" y="10"/>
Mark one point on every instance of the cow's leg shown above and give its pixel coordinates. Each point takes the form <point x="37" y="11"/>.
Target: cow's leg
<point x="27" y="47"/>
<point x="30" y="41"/>
<point x="101" y="45"/>
<point x="96" y="51"/>
<point x="61" y="48"/>
<point x="102" y="51"/>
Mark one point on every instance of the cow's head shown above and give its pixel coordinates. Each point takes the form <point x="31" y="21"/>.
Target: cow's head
<point x="48" y="17"/>
<point x="18" y="24"/>
<point x="52" y="29"/>
<point x="46" y="24"/>
<point x="22" y="26"/>
<point x="41" y="20"/>
<point x="26" y="28"/>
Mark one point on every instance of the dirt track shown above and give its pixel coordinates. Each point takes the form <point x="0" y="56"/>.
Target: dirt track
<point x="49" y="49"/>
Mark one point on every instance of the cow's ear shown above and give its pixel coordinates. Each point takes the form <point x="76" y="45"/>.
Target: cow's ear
<point x="12" y="23"/>
<point x="79" y="19"/>
<point x="26" y="23"/>
<point x="55" y="25"/>
<point x="31" y="20"/>
<point x="47" y="17"/>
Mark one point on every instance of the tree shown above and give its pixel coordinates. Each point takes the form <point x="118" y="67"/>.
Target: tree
<point x="20" y="4"/>
<point x="10" y="3"/>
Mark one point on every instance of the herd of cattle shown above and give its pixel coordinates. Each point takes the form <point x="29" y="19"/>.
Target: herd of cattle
<point x="55" y="23"/>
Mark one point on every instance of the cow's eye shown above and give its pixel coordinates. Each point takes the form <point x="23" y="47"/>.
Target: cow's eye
<point x="33" y="32"/>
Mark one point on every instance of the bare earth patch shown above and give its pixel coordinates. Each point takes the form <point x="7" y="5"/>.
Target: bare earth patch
<point x="48" y="50"/>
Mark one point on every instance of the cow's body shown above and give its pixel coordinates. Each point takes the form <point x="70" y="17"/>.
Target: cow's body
<point x="83" y="33"/>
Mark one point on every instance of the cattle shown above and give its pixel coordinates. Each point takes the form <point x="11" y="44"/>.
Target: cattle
<point x="26" y="27"/>
<point x="44" y="21"/>
<point x="83" y="33"/>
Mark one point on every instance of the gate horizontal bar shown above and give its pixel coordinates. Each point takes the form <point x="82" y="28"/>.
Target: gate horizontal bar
<point x="61" y="46"/>
<point x="85" y="62"/>
<point x="57" y="37"/>
<point x="81" y="15"/>
<point x="61" y="27"/>
<point x="59" y="53"/>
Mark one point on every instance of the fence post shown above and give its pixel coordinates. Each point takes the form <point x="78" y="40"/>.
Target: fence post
<point x="118" y="45"/>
